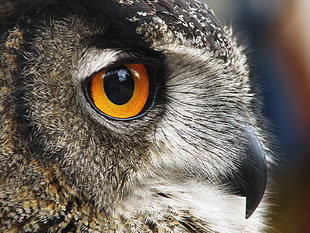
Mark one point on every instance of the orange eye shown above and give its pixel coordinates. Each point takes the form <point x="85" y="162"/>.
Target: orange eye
<point x="122" y="92"/>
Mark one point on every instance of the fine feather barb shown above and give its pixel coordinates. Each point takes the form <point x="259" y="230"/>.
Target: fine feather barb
<point x="12" y="8"/>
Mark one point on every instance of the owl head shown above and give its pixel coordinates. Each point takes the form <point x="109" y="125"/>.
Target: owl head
<point x="144" y="109"/>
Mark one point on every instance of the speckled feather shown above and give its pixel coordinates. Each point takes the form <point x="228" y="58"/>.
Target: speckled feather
<point x="190" y="23"/>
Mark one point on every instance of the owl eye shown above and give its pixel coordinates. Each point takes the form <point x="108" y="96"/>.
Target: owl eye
<point x="122" y="92"/>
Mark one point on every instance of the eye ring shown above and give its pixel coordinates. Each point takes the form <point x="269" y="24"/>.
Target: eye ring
<point x="122" y="93"/>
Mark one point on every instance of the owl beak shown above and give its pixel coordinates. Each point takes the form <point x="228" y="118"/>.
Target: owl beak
<point x="256" y="173"/>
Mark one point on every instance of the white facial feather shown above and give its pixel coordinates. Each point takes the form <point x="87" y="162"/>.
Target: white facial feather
<point x="221" y="212"/>
<point x="95" y="60"/>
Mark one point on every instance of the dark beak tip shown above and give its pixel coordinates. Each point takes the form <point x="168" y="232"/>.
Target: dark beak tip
<point x="255" y="189"/>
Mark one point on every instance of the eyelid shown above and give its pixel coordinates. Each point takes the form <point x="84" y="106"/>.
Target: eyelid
<point x="95" y="60"/>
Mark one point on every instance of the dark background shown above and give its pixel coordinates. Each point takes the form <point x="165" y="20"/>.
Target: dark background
<point x="277" y="34"/>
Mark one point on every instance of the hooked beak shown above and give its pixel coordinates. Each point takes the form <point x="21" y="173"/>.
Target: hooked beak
<point x="251" y="177"/>
<point x="256" y="173"/>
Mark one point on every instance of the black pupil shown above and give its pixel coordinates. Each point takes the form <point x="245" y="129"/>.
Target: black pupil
<point x="119" y="85"/>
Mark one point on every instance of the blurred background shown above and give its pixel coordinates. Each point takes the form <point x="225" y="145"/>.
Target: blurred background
<point x="277" y="33"/>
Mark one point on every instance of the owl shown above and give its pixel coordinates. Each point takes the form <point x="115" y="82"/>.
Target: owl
<point x="128" y="116"/>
